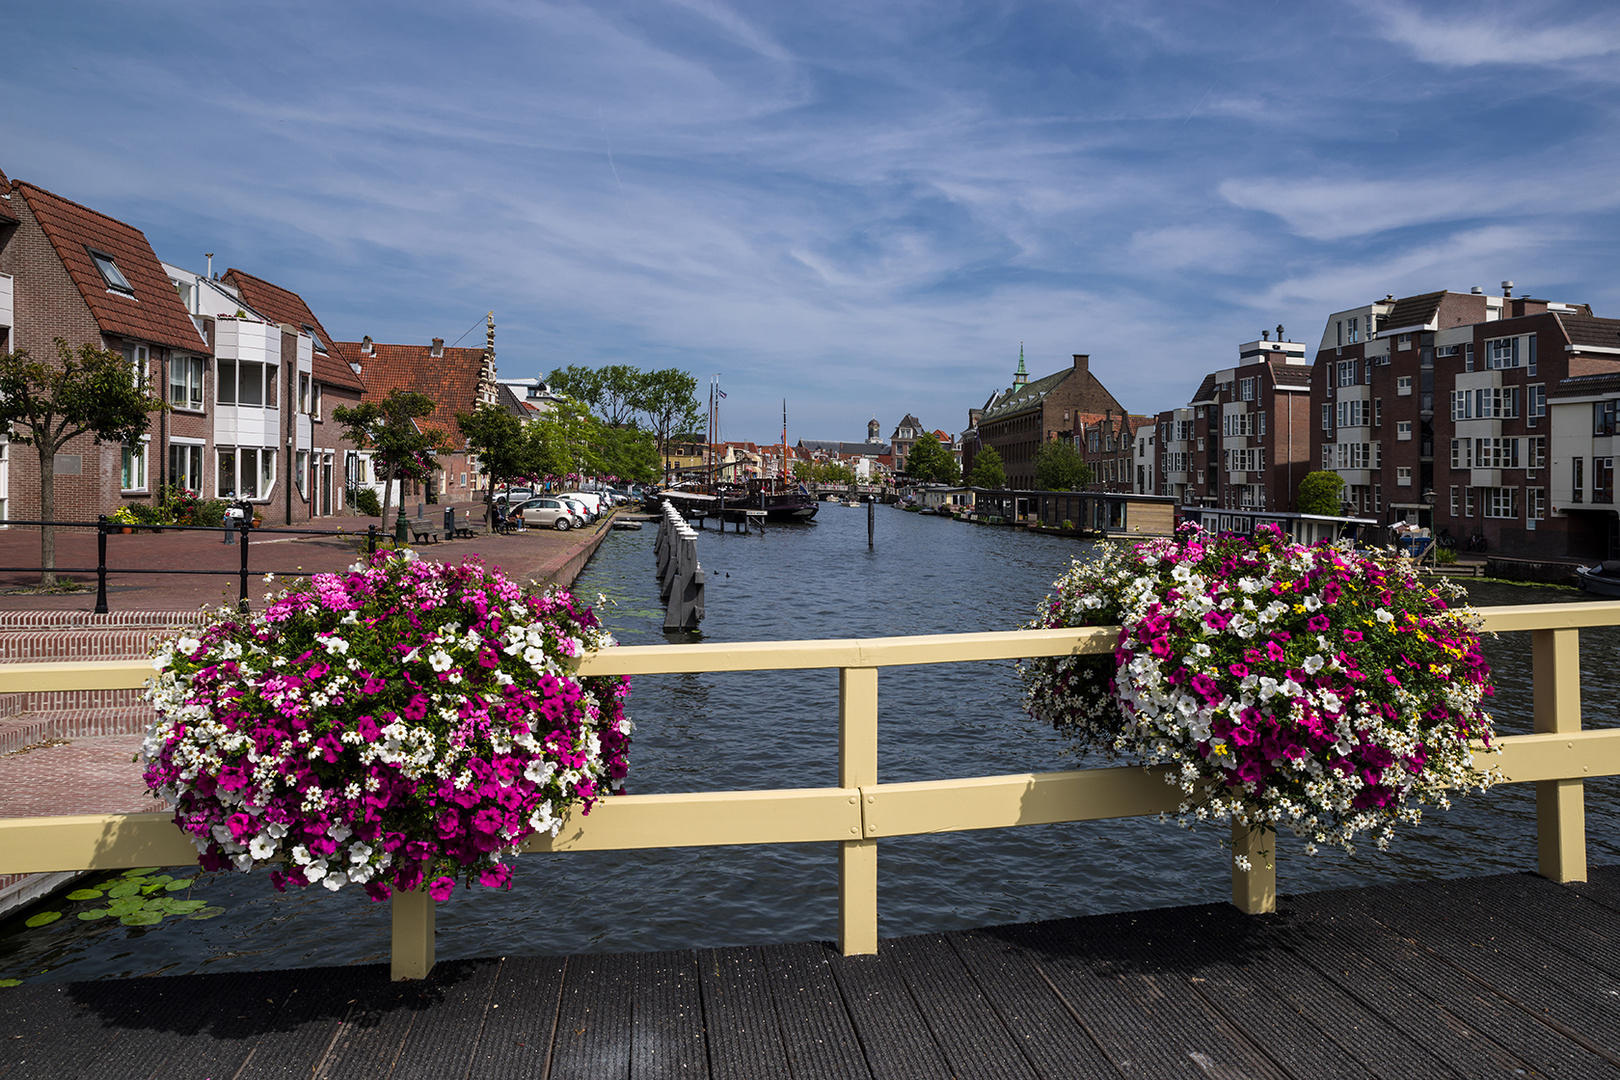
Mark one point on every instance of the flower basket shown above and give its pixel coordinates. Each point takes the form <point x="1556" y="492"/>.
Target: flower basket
<point x="403" y="722"/>
<point x="1320" y="690"/>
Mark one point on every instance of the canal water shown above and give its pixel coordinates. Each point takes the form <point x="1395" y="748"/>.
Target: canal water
<point x="923" y="575"/>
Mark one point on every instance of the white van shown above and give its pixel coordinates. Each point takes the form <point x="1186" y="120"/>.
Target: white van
<point x="590" y="499"/>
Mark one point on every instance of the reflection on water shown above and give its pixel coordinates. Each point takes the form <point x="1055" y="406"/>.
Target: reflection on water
<point x="779" y="729"/>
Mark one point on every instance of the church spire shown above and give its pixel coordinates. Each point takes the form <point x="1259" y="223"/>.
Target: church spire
<point x="1020" y="377"/>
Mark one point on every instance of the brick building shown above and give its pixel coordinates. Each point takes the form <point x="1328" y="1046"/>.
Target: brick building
<point x="1443" y="398"/>
<point x="458" y="381"/>
<point x="1018" y="420"/>
<point x="69" y="272"/>
<point x="1107" y="443"/>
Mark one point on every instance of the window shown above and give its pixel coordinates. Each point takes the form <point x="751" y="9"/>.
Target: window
<point x="140" y="361"/>
<point x="1468" y="502"/>
<point x="303" y="393"/>
<point x="1353" y="414"/>
<point x="1485" y="403"/>
<point x="1530" y="364"/>
<point x="132" y="475"/>
<point x="1403" y="342"/>
<point x="1246" y="387"/>
<point x="1536" y="505"/>
<point x="115" y="279"/>
<point x="1327" y="417"/>
<point x="1462" y="454"/>
<point x="246" y="472"/>
<point x="1501" y="353"/>
<point x="1403" y="431"/>
<point x="1468" y="363"/>
<point x="1443" y="351"/>
<point x="1577" y="479"/>
<point x="1501" y="502"/>
<point x="245" y="383"/>
<point x="1403" y="476"/>
<point x="1355" y="331"/>
<point x="1340" y="326"/>
<point x="1603" y="480"/>
<point x="1454" y="500"/>
<point x="1347" y="373"/>
<point x="185" y="465"/>
<point x="186" y="382"/>
<point x="315" y="339"/>
<point x="1537" y="450"/>
<point x="1496" y="453"/>
<point x="1535" y="404"/>
<point x="1378" y="412"/>
<point x="1403" y="386"/>
<point x="315" y="402"/>
<point x="1603" y="414"/>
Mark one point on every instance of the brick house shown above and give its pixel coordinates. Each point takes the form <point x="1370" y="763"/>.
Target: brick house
<point x="1107" y="443"/>
<point x="72" y="273"/>
<point x="1244" y="441"/>
<point x="906" y="434"/>
<point x="319" y="377"/>
<point x="1019" y="419"/>
<point x="457" y="380"/>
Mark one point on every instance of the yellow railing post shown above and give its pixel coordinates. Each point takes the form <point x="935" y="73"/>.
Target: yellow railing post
<point x="1555" y="664"/>
<point x="412" y="956"/>
<point x="1254" y="891"/>
<point x="857" y="768"/>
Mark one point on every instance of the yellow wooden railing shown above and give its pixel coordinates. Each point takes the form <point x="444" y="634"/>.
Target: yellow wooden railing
<point x="860" y="812"/>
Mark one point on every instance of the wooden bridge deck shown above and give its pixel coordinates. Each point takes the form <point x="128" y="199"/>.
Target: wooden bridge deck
<point x="1502" y="976"/>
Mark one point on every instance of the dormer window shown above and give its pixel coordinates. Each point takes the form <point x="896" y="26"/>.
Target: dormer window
<point x="114" y="277"/>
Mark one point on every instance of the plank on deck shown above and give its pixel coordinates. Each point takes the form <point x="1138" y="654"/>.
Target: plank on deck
<point x="1502" y="976"/>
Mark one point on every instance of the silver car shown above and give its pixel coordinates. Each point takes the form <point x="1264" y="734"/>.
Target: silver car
<point x="546" y="512"/>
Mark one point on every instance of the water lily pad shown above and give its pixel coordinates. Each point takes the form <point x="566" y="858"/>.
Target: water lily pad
<point x="44" y="918"/>
<point x="84" y="894"/>
<point x="142" y="871"/>
<point x="142" y="918"/>
<point x="177" y="885"/>
<point x="183" y="907"/>
<point x="93" y="914"/>
<point x="123" y="889"/>
<point x="10" y="982"/>
<point x="124" y="905"/>
<point x="207" y="913"/>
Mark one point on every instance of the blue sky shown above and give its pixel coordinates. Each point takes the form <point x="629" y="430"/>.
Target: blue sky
<point x="863" y="208"/>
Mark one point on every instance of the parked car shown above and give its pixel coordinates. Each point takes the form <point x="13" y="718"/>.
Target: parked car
<point x="582" y="510"/>
<point x="590" y="498"/>
<point x="545" y="512"/>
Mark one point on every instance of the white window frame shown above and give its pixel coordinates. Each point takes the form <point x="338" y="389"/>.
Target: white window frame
<point x="134" y="465"/>
<point x="191" y="371"/>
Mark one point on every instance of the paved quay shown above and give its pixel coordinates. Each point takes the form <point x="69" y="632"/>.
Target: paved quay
<point x="1507" y="976"/>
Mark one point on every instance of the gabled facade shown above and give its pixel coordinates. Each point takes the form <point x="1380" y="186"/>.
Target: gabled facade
<point x="1018" y="420"/>
<point x="905" y="436"/>
<point x="69" y="272"/>
<point x="1106" y="443"/>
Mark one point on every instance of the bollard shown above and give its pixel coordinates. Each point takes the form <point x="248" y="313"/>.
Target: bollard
<point x="449" y="523"/>
<point x="101" y="564"/>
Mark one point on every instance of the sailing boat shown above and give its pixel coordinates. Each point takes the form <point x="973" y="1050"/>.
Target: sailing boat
<point x="780" y="497"/>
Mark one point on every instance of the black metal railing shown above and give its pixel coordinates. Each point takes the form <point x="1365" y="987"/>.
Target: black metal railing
<point x="237" y="531"/>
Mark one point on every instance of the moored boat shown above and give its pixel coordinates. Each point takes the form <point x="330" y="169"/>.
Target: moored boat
<point x="1602" y="579"/>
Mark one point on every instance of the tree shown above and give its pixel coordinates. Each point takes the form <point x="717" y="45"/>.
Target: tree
<point x="668" y="399"/>
<point x="565" y="440"/>
<point x="1059" y="467"/>
<point x="987" y="470"/>
<point x="626" y="453"/>
<point x="1319" y="493"/>
<point x="580" y="383"/>
<point x="398" y="445"/>
<point x="505" y="450"/>
<point x="47" y="405"/>
<point x="930" y="462"/>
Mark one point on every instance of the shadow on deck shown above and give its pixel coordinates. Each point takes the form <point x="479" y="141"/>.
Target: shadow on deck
<point x="1509" y="975"/>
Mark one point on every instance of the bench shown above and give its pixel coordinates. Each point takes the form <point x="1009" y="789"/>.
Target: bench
<point x="423" y="532"/>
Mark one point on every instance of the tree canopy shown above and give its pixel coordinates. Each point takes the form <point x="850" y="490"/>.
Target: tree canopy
<point x="399" y="446"/>
<point x="48" y="404"/>
<point x="1059" y="467"/>
<point x="988" y="471"/>
<point x="661" y="402"/>
<point x="931" y="463"/>
<point x="1319" y="493"/>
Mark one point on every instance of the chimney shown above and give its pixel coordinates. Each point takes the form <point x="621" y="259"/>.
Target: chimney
<point x="365" y="346"/>
<point x="438" y="346"/>
<point x="1507" y="290"/>
<point x="1082" y="361"/>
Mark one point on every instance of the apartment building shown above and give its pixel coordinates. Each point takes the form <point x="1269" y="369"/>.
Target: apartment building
<point x="1243" y="441"/>
<point x="1434" y="409"/>
<point x="1583" y="414"/>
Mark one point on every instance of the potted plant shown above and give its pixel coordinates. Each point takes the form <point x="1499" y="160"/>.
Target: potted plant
<point x="401" y="723"/>
<point x="1321" y="690"/>
<point x="124" y="516"/>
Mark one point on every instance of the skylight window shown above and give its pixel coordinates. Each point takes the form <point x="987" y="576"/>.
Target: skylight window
<point x="315" y="338"/>
<point x="116" y="281"/>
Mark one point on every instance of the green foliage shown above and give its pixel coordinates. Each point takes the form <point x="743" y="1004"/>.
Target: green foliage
<point x="1059" y="467"/>
<point x="930" y="462"/>
<point x="46" y="404"/>
<point x="662" y="402"/>
<point x="400" y="448"/>
<point x="365" y="500"/>
<point x="626" y="453"/>
<point x="1319" y="493"/>
<point x="823" y="472"/>
<point x="987" y="470"/>
<point x="503" y="447"/>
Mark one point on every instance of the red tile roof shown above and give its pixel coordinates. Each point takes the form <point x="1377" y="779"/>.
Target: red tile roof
<point x="285" y="306"/>
<point x="6" y="213"/>
<point x="154" y="313"/>
<point x="450" y="380"/>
